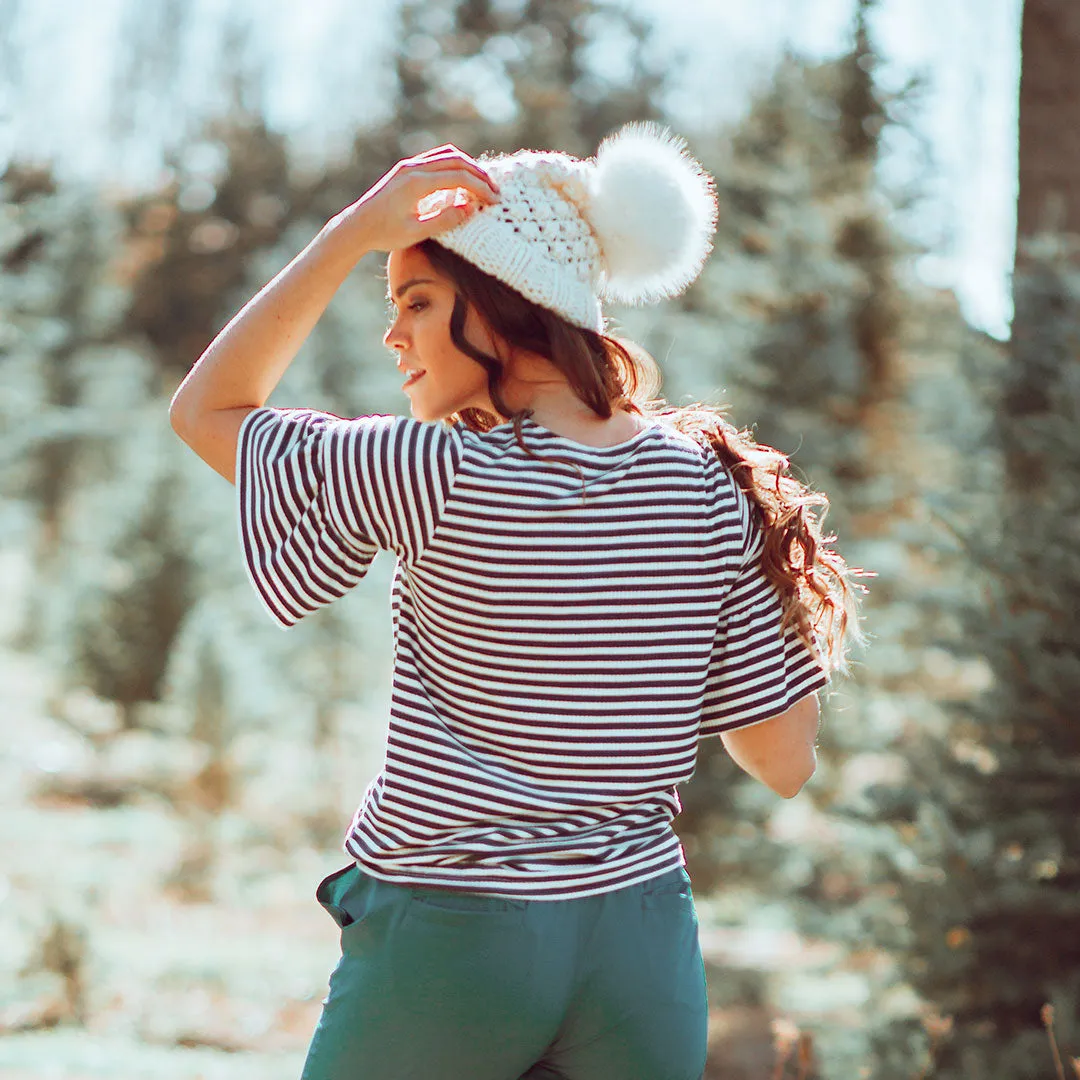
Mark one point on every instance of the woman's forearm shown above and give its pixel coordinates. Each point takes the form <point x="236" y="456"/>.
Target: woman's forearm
<point x="244" y="363"/>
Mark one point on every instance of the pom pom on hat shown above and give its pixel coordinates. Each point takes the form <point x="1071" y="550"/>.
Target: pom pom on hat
<point x="634" y="224"/>
<point x="653" y="210"/>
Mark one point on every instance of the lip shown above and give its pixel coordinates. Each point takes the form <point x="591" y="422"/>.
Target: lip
<point x="412" y="379"/>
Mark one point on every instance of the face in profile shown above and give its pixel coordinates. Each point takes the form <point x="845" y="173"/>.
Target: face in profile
<point x="446" y="380"/>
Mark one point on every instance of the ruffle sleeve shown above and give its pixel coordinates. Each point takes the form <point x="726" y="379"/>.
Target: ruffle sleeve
<point x="320" y="495"/>
<point x="755" y="672"/>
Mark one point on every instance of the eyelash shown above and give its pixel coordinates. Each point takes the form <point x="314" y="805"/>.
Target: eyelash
<point x="417" y="305"/>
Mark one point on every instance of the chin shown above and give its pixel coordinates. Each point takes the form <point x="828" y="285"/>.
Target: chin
<point x="430" y="413"/>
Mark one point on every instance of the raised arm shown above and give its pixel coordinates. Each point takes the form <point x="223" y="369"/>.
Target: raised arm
<point x="242" y="365"/>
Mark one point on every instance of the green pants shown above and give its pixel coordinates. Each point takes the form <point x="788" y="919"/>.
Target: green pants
<point x="440" y="985"/>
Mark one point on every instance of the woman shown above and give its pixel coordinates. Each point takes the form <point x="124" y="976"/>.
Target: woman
<point x="587" y="584"/>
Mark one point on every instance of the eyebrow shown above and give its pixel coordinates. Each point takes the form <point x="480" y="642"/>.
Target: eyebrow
<point x="409" y="284"/>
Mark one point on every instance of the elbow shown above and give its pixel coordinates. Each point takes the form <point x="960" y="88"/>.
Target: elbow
<point x="790" y="789"/>
<point x="181" y="421"/>
<point x="779" y="752"/>
<point x="176" y="417"/>
<point x="792" y="783"/>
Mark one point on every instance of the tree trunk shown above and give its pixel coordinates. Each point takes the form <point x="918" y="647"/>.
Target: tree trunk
<point x="1048" y="206"/>
<point x="1049" y="111"/>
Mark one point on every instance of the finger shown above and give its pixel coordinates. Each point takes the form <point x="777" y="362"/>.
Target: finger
<point x="446" y="155"/>
<point x="478" y="185"/>
<point x="448" y="198"/>
<point x="446" y="218"/>
<point x="419" y="162"/>
<point x="440" y="153"/>
<point x="458" y="161"/>
<point x="461" y="164"/>
<point x="438" y="150"/>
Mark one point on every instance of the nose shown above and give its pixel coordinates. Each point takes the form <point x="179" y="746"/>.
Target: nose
<point x="393" y="339"/>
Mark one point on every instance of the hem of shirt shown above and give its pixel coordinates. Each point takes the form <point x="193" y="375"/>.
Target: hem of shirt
<point x="411" y="881"/>
<point x="819" y="683"/>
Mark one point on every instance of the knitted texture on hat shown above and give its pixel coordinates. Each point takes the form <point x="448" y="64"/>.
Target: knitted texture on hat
<point x="634" y="224"/>
<point x="535" y="238"/>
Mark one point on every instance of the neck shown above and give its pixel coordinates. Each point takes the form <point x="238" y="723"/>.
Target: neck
<point x="533" y="382"/>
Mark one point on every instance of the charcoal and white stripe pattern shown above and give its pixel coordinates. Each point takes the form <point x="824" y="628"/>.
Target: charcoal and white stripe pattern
<point x="555" y="660"/>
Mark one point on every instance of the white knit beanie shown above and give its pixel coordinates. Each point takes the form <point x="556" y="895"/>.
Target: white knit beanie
<point x="634" y="224"/>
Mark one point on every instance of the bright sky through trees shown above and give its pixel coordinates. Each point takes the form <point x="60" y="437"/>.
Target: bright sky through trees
<point x="319" y="74"/>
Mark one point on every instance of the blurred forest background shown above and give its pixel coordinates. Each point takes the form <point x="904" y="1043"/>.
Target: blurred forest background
<point x="178" y="775"/>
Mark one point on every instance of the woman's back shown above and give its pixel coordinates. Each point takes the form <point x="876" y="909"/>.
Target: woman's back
<point x="562" y="638"/>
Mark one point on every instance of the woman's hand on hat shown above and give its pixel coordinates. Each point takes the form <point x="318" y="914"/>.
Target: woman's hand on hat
<point x="420" y="197"/>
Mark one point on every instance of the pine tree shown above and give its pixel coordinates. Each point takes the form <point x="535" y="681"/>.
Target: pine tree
<point x="112" y="583"/>
<point x="812" y="328"/>
<point x="125" y="621"/>
<point x="531" y="69"/>
<point x="57" y="302"/>
<point x="999" y="949"/>
<point x="198" y="236"/>
<point x="873" y="384"/>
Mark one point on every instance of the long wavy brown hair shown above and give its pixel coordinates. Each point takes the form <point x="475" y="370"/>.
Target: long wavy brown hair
<point x="816" y="587"/>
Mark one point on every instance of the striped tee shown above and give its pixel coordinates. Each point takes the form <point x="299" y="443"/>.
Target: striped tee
<point x="556" y="658"/>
